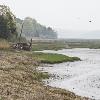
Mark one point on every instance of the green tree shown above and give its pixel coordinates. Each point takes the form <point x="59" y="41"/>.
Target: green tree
<point x="7" y="23"/>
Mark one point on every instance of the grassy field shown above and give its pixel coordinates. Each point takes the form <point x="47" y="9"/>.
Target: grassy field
<point x="38" y="46"/>
<point x="53" y="58"/>
<point x="66" y="44"/>
<point x="83" y="43"/>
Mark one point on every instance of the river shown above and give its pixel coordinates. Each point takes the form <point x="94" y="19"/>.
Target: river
<point x="80" y="77"/>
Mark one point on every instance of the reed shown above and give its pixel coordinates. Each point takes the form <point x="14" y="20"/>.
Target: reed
<point x="4" y="44"/>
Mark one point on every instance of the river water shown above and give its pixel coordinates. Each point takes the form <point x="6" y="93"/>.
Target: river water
<point x="80" y="77"/>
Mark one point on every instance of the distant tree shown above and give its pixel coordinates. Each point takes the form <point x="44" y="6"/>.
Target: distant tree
<point x="7" y="23"/>
<point x="32" y="29"/>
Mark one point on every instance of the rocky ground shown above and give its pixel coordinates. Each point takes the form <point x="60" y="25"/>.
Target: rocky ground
<point x="17" y="80"/>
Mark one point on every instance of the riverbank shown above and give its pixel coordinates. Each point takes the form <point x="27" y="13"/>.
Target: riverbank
<point x="19" y="79"/>
<point x="80" y="77"/>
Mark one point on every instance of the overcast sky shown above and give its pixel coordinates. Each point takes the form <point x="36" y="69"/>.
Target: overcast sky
<point x="59" y="14"/>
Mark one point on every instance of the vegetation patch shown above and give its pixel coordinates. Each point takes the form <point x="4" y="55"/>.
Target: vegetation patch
<point x="39" y="46"/>
<point x="40" y="75"/>
<point x="4" y="44"/>
<point x="54" y="58"/>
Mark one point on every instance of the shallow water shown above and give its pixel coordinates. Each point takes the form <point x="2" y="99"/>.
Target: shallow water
<point x="81" y="77"/>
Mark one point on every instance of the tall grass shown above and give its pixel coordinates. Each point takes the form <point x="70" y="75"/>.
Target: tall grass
<point x="4" y="44"/>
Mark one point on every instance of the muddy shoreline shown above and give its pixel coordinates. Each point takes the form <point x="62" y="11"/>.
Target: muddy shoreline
<point x="17" y="81"/>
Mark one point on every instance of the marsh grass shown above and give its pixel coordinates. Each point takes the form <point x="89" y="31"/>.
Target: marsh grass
<point x="48" y="46"/>
<point x="4" y="45"/>
<point x="54" y="58"/>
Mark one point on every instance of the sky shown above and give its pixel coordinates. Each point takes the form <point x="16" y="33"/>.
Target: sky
<point x="59" y="14"/>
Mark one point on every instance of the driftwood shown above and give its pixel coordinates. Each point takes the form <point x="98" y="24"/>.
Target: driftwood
<point x="22" y="46"/>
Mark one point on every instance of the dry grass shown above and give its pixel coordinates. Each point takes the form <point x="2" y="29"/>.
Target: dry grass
<point x="4" y="44"/>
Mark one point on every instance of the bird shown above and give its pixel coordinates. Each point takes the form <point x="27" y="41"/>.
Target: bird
<point x="90" y="21"/>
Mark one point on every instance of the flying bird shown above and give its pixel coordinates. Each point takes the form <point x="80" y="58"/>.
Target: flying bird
<point x="90" y="21"/>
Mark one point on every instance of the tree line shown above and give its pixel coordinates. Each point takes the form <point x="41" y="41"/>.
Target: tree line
<point x="10" y="27"/>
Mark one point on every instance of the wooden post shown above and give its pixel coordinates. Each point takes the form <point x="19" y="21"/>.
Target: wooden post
<point x="31" y="43"/>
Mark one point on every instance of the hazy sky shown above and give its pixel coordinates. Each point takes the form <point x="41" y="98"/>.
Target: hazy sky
<point x="64" y="14"/>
